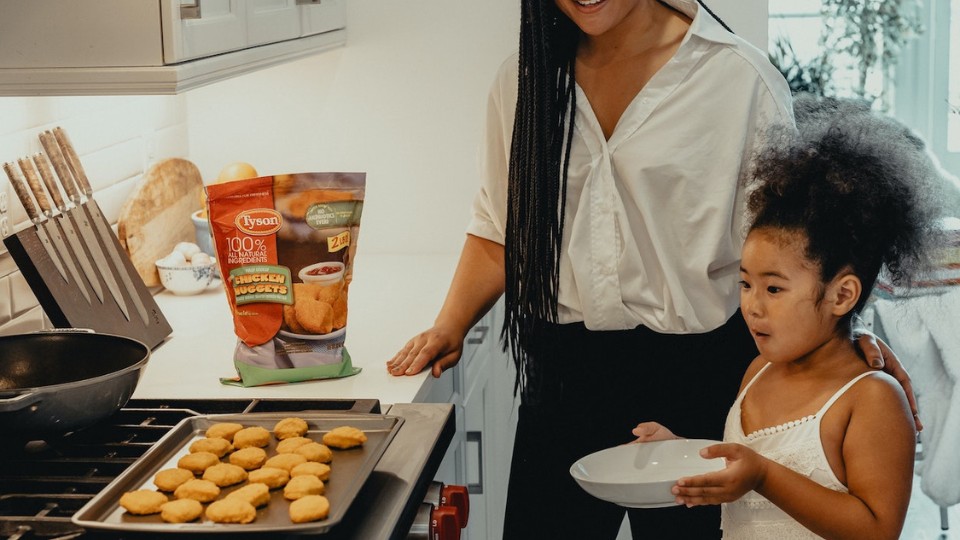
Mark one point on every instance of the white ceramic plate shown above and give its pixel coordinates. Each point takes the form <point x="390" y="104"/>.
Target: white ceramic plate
<point x="641" y="475"/>
<point x="331" y="335"/>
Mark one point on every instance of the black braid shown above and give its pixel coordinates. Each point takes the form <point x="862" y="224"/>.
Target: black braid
<point x="542" y="137"/>
<point x="542" y="134"/>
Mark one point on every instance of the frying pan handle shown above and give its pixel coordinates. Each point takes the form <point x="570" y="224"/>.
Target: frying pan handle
<point x="19" y="402"/>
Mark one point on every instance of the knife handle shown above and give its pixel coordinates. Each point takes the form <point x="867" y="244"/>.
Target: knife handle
<point x="20" y="186"/>
<point x="73" y="161"/>
<point x="49" y="142"/>
<point x="44" y="167"/>
<point x="33" y="180"/>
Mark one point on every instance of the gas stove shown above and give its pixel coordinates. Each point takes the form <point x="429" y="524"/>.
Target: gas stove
<point x="43" y="483"/>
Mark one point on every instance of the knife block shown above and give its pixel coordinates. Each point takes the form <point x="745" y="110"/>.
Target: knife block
<point x="66" y="307"/>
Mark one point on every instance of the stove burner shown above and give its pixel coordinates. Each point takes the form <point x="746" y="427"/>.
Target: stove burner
<point x="43" y="483"/>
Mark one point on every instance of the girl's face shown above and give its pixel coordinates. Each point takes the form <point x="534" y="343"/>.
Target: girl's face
<point x="596" y="17"/>
<point x="789" y="310"/>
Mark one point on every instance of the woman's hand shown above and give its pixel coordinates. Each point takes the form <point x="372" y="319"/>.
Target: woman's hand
<point x="438" y="346"/>
<point x="652" y="431"/>
<point x="744" y="472"/>
<point x="880" y="356"/>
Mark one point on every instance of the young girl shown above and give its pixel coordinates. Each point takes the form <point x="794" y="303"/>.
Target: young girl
<point x="817" y="444"/>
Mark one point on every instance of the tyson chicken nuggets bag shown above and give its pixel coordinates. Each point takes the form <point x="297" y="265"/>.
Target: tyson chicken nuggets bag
<point x="286" y="245"/>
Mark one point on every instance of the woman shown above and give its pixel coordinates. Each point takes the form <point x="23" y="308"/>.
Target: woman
<point x="615" y="233"/>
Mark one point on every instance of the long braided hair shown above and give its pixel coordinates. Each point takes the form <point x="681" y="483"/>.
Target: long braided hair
<point x="537" y="179"/>
<point x="537" y="176"/>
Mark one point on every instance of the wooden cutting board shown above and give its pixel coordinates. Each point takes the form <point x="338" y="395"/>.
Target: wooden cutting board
<point x="157" y="215"/>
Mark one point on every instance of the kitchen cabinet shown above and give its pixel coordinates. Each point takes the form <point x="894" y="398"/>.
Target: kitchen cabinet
<point x="50" y="47"/>
<point x="481" y="388"/>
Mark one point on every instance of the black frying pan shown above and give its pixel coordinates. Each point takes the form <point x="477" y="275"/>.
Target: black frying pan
<point x="53" y="383"/>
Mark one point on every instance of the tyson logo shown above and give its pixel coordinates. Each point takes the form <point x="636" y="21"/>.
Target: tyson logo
<point x="259" y="221"/>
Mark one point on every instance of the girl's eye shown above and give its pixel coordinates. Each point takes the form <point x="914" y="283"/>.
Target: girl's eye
<point x="744" y="284"/>
<point x="773" y="290"/>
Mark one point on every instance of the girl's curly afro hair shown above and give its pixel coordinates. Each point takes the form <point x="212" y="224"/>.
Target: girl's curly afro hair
<point x="857" y="184"/>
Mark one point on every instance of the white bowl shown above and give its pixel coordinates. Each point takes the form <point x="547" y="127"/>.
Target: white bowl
<point x="186" y="279"/>
<point x="641" y="475"/>
<point x="332" y="272"/>
<point x="203" y="236"/>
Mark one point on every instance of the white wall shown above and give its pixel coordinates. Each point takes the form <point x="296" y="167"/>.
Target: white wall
<point x="404" y="102"/>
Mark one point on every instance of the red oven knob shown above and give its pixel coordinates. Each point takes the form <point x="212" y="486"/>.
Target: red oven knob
<point x="459" y="498"/>
<point x="444" y="524"/>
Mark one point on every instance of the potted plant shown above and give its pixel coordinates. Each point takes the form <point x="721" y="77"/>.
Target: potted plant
<point x="872" y="32"/>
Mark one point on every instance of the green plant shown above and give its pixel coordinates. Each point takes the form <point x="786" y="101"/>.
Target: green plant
<point x="873" y="32"/>
<point x="814" y="77"/>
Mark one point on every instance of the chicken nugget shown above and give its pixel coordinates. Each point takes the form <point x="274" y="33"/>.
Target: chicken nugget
<point x="340" y="311"/>
<point x="215" y="445"/>
<point x="142" y="501"/>
<point x="251" y="436"/>
<point x="309" y="508"/>
<point x="315" y="451"/>
<point x="170" y="479"/>
<point x="256" y="494"/>
<point x="198" y="461"/>
<point x="181" y="510"/>
<point x="223" y="430"/>
<point x="251" y="457"/>
<point x="287" y="446"/>
<point x="290" y="318"/>
<point x="320" y="470"/>
<point x="301" y="486"/>
<point x="231" y="510"/>
<point x="198" y="490"/>
<point x="285" y="461"/>
<point x="271" y="476"/>
<point x="225" y="474"/>
<point x="344" y="437"/>
<point x="290" y="427"/>
<point x="327" y="293"/>
<point x="315" y="316"/>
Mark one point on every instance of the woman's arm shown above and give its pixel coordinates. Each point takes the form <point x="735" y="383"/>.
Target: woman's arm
<point x="477" y="284"/>
<point x="879" y="355"/>
<point x="878" y="453"/>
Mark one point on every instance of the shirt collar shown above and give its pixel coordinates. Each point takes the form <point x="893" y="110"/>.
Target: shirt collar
<point x="703" y="24"/>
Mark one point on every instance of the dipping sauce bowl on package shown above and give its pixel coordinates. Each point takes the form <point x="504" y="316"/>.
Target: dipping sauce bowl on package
<point x="286" y="245"/>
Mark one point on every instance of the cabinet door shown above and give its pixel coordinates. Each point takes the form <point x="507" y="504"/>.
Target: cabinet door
<point x="322" y="16"/>
<point x="269" y="21"/>
<point x="221" y="27"/>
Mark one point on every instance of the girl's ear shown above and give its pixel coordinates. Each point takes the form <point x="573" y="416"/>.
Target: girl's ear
<point x="846" y="290"/>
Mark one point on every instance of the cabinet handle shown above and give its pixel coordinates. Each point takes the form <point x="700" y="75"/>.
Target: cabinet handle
<point x="190" y="11"/>
<point x="308" y="2"/>
<point x="476" y="437"/>
<point x="482" y="331"/>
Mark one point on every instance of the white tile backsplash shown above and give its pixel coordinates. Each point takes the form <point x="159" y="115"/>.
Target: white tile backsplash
<point x="117" y="138"/>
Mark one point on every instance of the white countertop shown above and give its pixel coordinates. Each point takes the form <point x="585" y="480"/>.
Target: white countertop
<point x="392" y="297"/>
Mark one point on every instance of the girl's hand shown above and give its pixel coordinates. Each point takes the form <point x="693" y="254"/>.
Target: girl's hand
<point x="745" y="471"/>
<point x="880" y="356"/>
<point x="652" y="431"/>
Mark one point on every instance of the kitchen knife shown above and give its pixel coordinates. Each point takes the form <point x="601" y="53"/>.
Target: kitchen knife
<point x="20" y="186"/>
<point x="69" y="225"/>
<point x="96" y="217"/>
<point x="53" y="229"/>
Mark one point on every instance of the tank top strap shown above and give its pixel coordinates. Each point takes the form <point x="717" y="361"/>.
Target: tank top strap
<point x="840" y="392"/>
<point x="753" y="380"/>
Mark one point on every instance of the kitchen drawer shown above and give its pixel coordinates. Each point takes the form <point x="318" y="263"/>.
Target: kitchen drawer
<point x="83" y="47"/>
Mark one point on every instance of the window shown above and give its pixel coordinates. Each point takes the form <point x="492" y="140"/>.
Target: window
<point x="953" y="123"/>
<point x="923" y="91"/>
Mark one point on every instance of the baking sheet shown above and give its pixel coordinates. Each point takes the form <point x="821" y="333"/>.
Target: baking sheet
<point x="348" y="472"/>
